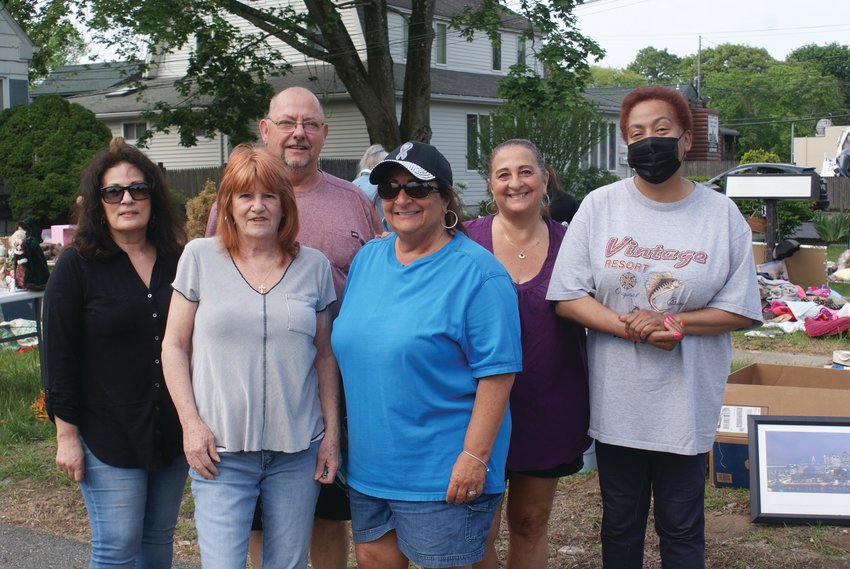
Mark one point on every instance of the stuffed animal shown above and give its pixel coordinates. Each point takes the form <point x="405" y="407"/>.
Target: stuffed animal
<point x="17" y="245"/>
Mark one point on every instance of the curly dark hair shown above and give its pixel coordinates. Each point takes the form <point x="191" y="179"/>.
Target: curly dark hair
<point x="92" y="238"/>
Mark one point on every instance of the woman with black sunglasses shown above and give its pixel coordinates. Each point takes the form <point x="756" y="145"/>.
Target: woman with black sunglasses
<point x="104" y="316"/>
<point x="428" y="343"/>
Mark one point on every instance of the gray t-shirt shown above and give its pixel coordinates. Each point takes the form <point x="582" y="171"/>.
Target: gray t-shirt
<point x="253" y="355"/>
<point x="630" y="252"/>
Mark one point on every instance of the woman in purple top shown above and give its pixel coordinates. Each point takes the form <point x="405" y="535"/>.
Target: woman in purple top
<point x="549" y="401"/>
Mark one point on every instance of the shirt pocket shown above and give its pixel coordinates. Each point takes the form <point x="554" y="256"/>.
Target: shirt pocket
<point x="302" y="313"/>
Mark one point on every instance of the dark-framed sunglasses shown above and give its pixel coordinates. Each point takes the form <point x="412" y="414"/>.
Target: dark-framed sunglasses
<point x="139" y="191"/>
<point x="415" y="190"/>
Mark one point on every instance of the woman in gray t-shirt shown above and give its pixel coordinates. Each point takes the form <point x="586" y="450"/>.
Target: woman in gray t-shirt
<point x="248" y="362"/>
<point x="660" y="271"/>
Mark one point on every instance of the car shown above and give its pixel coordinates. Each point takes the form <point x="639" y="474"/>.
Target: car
<point x="718" y="183"/>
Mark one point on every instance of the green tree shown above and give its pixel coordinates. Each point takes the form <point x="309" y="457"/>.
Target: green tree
<point x="760" y="96"/>
<point x="226" y="86"/>
<point x="48" y="25"/>
<point x="727" y="57"/>
<point x="613" y="77"/>
<point x="45" y="147"/>
<point x="656" y="66"/>
<point x="550" y="112"/>
<point x="831" y="59"/>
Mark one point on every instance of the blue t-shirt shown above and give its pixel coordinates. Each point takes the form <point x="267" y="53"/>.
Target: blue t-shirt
<point x="412" y="342"/>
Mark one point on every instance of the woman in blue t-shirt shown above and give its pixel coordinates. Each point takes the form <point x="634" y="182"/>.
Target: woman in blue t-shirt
<point x="428" y="343"/>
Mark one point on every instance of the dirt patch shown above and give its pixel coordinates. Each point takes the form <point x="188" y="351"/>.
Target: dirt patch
<point x="731" y="540"/>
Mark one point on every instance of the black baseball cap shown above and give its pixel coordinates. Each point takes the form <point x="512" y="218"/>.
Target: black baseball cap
<point x="423" y="161"/>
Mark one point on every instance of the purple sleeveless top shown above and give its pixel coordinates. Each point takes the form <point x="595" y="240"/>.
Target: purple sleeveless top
<point x="549" y="401"/>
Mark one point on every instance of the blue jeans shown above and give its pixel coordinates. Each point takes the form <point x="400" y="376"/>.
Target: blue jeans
<point x="224" y="508"/>
<point x="627" y="479"/>
<point x="132" y="513"/>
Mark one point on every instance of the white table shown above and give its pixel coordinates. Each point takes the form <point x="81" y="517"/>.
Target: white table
<point x="7" y="297"/>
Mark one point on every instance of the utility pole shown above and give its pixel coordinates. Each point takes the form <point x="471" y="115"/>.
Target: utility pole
<point x="699" y="68"/>
<point x="792" y="142"/>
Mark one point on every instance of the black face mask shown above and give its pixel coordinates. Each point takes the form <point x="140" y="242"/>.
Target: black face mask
<point x="655" y="158"/>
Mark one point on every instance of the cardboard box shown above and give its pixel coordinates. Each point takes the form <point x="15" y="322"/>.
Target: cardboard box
<point x="806" y="267"/>
<point x="765" y="389"/>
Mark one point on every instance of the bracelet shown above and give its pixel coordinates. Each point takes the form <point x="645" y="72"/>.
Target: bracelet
<point x="484" y="464"/>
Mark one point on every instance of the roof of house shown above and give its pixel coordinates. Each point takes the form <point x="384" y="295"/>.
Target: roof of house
<point x="75" y="79"/>
<point x="611" y="98"/>
<point x="321" y="79"/>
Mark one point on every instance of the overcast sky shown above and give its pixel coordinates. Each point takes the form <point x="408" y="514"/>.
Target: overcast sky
<point x="622" y="27"/>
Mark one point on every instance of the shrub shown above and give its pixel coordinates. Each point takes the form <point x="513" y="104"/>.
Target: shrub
<point x="44" y="147"/>
<point x="790" y="214"/>
<point x="586" y="180"/>
<point x="832" y="228"/>
<point x="760" y="155"/>
<point x="198" y="210"/>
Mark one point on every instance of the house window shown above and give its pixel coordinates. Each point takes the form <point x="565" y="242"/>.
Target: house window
<point x="603" y="154"/>
<point x="441" y="42"/>
<point x="475" y="125"/>
<point x="471" y="142"/>
<point x="134" y="130"/>
<point x="520" y="50"/>
<point x="497" y="54"/>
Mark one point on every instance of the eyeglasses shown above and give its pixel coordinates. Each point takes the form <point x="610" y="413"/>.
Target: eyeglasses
<point x="415" y="190"/>
<point x="139" y="191"/>
<point x="287" y="126"/>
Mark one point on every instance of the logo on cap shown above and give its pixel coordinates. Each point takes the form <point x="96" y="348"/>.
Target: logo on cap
<point x="402" y="151"/>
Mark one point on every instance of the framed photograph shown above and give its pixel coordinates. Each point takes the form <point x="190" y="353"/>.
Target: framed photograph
<point x="799" y="469"/>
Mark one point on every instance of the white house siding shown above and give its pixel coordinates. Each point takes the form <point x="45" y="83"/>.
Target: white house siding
<point x="448" y="125"/>
<point x="174" y="64"/>
<point x="461" y="55"/>
<point x="165" y="148"/>
<point x="347" y="135"/>
<point x="15" y="54"/>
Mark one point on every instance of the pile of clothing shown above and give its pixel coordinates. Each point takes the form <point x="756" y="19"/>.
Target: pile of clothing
<point x="818" y="311"/>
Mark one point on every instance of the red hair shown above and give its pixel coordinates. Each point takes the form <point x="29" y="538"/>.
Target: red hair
<point x="681" y="109"/>
<point x="248" y="166"/>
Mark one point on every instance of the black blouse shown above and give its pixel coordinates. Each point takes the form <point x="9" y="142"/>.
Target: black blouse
<point x="102" y="371"/>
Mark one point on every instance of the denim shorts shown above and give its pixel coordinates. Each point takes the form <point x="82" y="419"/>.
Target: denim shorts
<point x="432" y="534"/>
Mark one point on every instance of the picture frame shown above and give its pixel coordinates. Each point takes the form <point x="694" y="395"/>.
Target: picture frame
<point x="799" y="469"/>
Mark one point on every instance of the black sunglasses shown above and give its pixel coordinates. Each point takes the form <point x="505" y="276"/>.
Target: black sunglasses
<point x="415" y="190"/>
<point x="113" y="194"/>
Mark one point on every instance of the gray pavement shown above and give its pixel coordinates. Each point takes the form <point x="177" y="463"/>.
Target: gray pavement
<point x="24" y="548"/>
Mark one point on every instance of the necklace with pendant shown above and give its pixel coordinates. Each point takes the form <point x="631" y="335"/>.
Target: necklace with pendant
<point x="521" y="255"/>
<point x="262" y="285"/>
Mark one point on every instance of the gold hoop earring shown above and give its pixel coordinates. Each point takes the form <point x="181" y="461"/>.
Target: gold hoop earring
<point x="547" y="200"/>
<point x="453" y="225"/>
<point x="494" y="210"/>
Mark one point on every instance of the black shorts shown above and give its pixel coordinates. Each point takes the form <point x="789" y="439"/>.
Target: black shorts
<point x="564" y="469"/>
<point x="333" y="502"/>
